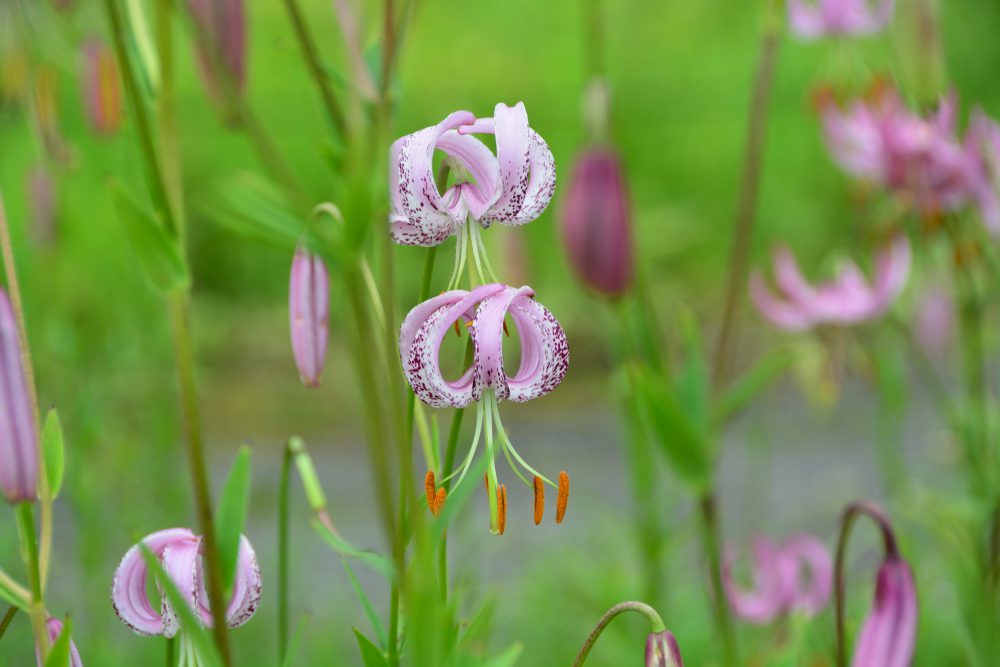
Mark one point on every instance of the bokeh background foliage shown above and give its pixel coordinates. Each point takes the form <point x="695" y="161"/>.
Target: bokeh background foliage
<point x="680" y="72"/>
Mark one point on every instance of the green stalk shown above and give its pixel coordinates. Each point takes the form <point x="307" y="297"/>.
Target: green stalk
<point x="36" y="608"/>
<point x="655" y="625"/>
<point x="284" y="554"/>
<point x="7" y="618"/>
<point x="170" y="661"/>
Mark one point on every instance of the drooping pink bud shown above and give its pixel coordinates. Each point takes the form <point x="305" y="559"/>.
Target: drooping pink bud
<point x="222" y="28"/>
<point x="18" y="430"/>
<point x="55" y="628"/>
<point x="662" y="650"/>
<point x="890" y="631"/>
<point x="596" y="223"/>
<point x="309" y="310"/>
<point x="102" y="98"/>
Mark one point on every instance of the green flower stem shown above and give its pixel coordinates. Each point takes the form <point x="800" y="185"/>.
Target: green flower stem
<point x="36" y="608"/>
<point x="655" y="625"/>
<point x="170" y="660"/>
<point x="711" y="543"/>
<point x="284" y="552"/>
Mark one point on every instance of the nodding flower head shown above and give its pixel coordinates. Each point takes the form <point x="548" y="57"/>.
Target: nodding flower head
<point x="18" y="429"/>
<point x="55" y="628"/>
<point x="662" y="650"/>
<point x="512" y="187"/>
<point x="810" y="19"/>
<point x="101" y="91"/>
<point x="779" y="585"/>
<point x="308" y="313"/>
<point x="543" y="363"/>
<point x="178" y="549"/>
<point x="846" y="300"/>
<point x="918" y="158"/>
<point x="222" y="28"/>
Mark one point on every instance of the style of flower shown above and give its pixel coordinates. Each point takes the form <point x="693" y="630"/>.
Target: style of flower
<point x="779" y="587"/>
<point x="178" y="550"/>
<point x="18" y="429"/>
<point x="55" y="628"/>
<point x="308" y="311"/>
<point x="846" y="300"/>
<point x="810" y="19"/>
<point x="512" y="187"/>
<point x="918" y="158"/>
<point x="543" y="364"/>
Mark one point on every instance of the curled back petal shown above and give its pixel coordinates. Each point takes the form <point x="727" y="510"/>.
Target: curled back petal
<point x="476" y="158"/>
<point x="181" y="563"/>
<point x="420" y="215"/>
<point x="246" y="590"/>
<point x="783" y="314"/>
<point x="811" y="593"/>
<point x="129" y="589"/>
<point x="768" y="597"/>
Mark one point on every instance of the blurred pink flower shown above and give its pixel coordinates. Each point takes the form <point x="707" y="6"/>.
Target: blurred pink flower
<point x="662" y="650"/>
<point x="983" y="143"/>
<point x="18" y="429"/>
<point x="846" y="300"/>
<point x="935" y="319"/>
<point x="101" y="90"/>
<point x="919" y="158"/>
<point x="42" y="205"/>
<point x="596" y="224"/>
<point x="779" y="587"/>
<point x="222" y="26"/>
<point x="513" y="187"/>
<point x="55" y="628"/>
<point x="309" y="311"/>
<point x="810" y="19"/>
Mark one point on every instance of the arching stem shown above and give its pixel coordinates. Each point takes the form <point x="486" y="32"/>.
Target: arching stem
<point x="655" y="625"/>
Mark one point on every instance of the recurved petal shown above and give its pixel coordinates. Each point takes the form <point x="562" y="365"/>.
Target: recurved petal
<point x="181" y="563"/>
<point x="420" y="215"/>
<point x="889" y="633"/>
<point x="129" y="588"/>
<point x="769" y="595"/>
<point x="812" y="592"/>
<point x="246" y="591"/>
<point x="781" y="313"/>
<point x="475" y="157"/>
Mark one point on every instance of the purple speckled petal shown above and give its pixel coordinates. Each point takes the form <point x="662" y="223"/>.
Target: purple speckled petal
<point x="309" y="311"/>
<point x="246" y="589"/>
<point x="889" y="634"/>
<point x="475" y="156"/>
<point x="181" y="563"/>
<point x="420" y="215"/>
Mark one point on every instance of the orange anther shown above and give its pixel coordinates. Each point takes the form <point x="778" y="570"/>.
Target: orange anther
<point x="539" y="499"/>
<point x="430" y="488"/>
<point x="439" y="499"/>
<point x="563" y="496"/>
<point x="502" y="508"/>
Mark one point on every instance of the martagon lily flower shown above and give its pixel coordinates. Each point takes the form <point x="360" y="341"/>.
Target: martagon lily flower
<point x="543" y="364"/>
<point x="810" y="19"/>
<point x="178" y="549"/>
<point x="18" y="429"/>
<point x="846" y="300"/>
<point x="512" y="187"/>
<point x="779" y="587"/>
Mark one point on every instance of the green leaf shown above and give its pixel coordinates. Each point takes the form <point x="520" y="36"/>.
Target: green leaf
<point x="10" y="594"/>
<point x="232" y="514"/>
<point x="744" y="389"/>
<point x="293" y="644"/>
<point x="507" y="658"/>
<point x="373" y="559"/>
<point x="53" y="453"/>
<point x="157" y="250"/>
<point x="380" y="634"/>
<point x="477" y="634"/>
<point x="60" y="654"/>
<point x="693" y="387"/>
<point x="370" y="654"/>
<point x="683" y="443"/>
<point x="190" y="623"/>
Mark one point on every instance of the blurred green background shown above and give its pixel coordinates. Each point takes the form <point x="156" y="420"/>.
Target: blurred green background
<point x="680" y="73"/>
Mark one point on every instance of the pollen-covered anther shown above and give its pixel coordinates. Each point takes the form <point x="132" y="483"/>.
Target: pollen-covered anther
<point x="505" y="329"/>
<point x="430" y="488"/>
<point x="502" y="508"/>
<point x="539" y="499"/>
<point x="562" y="498"/>
<point x="439" y="499"/>
<point x="458" y="329"/>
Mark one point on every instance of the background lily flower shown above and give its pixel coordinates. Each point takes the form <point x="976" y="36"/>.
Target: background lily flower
<point x="222" y="23"/>
<point x="846" y="300"/>
<point x="55" y="628"/>
<point x="596" y="223"/>
<point x="779" y="586"/>
<point x="101" y="91"/>
<point x="18" y="430"/>
<point x="810" y="19"/>
<point x="178" y="550"/>
<point x="662" y="650"/>
<point x="309" y="310"/>
<point x="513" y="187"/>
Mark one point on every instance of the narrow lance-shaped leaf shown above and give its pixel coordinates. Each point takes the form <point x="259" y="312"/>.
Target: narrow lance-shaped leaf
<point x="232" y="514"/>
<point x="53" y="452"/>
<point x="371" y="656"/>
<point x="157" y="250"/>
<point x="59" y="655"/>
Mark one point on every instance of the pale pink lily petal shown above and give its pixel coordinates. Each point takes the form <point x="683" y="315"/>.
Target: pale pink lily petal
<point x="180" y="562"/>
<point x="888" y="636"/>
<point x="768" y="598"/>
<point x="810" y="19"/>
<point x="246" y="589"/>
<point x="55" y="628"/>
<point x="18" y="430"/>
<point x="783" y="314"/>
<point x="807" y="553"/>
<point x="309" y="311"/>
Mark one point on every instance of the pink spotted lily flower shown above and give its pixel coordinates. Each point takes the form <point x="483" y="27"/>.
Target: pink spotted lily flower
<point x="848" y="299"/>
<point x="178" y="549"/>
<point x="55" y="628"/>
<point x="309" y="311"/>
<point x="779" y="586"/>
<point x="544" y="359"/>
<point x="810" y="19"/>
<point x="18" y="430"/>
<point x="512" y="187"/>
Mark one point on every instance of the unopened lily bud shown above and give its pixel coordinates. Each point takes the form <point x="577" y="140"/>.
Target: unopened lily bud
<point x="309" y="309"/>
<point x="662" y="650"/>
<point x="307" y="473"/>
<point x="221" y="28"/>
<point x="18" y="430"/>
<point x="596" y="223"/>
<point x="55" y="629"/>
<point x="101" y="90"/>
<point x="890" y="631"/>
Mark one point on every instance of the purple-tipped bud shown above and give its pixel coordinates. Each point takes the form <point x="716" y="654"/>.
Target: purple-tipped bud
<point x="596" y="223"/>
<point x="662" y="650"/>
<point x="890" y="631"/>
<point x="222" y="27"/>
<point x="309" y="310"/>
<point x="55" y="628"/>
<point x="102" y="98"/>
<point x="18" y="431"/>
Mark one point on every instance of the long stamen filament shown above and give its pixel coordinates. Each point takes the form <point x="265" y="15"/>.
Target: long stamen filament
<point x="460" y="253"/>
<point x="505" y="442"/>
<point x="491" y="473"/>
<point x="477" y="235"/>
<point x="475" y="254"/>
<point x="472" y="450"/>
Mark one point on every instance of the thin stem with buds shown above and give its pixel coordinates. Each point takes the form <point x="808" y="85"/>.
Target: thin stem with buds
<point x="655" y="625"/>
